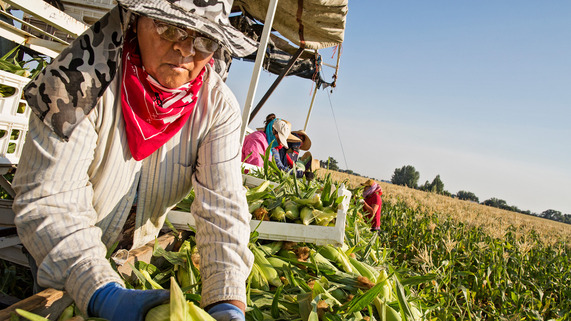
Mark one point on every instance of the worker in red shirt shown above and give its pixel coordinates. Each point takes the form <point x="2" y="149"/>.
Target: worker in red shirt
<point x="372" y="203"/>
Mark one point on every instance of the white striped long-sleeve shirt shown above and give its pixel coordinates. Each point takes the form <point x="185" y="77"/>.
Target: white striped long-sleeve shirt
<point x="73" y="197"/>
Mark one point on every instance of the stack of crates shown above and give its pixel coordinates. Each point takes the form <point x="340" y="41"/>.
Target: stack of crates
<point x="86" y="11"/>
<point x="14" y="114"/>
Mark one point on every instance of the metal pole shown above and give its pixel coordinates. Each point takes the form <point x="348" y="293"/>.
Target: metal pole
<point x="258" y="66"/>
<point x="276" y="82"/>
<point x="310" y="108"/>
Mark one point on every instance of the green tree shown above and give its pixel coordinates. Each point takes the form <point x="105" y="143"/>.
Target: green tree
<point x="551" y="215"/>
<point x="330" y="163"/>
<point x="406" y="176"/>
<point x="467" y="196"/>
<point x="499" y="203"/>
<point x="437" y="186"/>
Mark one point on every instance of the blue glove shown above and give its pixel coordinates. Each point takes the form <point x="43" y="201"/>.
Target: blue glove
<point x="115" y="303"/>
<point x="226" y="312"/>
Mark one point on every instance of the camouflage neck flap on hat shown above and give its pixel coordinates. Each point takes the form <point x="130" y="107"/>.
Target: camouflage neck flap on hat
<point x="70" y="86"/>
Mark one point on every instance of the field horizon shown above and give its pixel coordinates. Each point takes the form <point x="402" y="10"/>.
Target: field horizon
<point x="494" y="221"/>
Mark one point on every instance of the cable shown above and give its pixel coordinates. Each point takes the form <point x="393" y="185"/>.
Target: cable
<point x="337" y="128"/>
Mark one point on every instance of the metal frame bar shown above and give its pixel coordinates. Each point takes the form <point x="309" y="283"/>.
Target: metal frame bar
<point x="45" y="47"/>
<point x="258" y="66"/>
<point x="50" y="15"/>
<point x="276" y="82"/>
<point x="29" y="25"/>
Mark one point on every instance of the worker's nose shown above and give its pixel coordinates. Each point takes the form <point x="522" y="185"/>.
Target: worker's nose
<point x="185" y="47"/>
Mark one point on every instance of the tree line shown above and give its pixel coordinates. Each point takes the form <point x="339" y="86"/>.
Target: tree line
<point x="409" y="176"/>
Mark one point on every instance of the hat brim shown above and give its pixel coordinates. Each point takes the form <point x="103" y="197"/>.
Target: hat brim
<point x="283" y="140"/>
<point x="222" y="31"/>
<point x="306" y="142"/>
<point x="293" y="139"/>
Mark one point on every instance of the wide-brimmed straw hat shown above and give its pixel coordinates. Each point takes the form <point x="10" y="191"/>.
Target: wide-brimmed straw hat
<point x="369" y="183"/>
<point x="283" y="128"/>
<point x="209" y="18"/>
<point x="305" y="141"/>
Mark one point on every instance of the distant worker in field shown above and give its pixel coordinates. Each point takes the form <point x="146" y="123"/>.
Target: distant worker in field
<point x="274" y="135"/>
<point x="372" y="203"/>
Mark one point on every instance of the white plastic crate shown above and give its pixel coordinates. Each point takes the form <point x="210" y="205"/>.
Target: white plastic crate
<point x="14" y="114"/>
<point x="280" y="231"/>
<point x="102" y="4"/>
<point x="87" y="15"/>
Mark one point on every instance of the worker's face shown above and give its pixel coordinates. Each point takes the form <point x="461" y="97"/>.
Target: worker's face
<point x="172" y="64"/>
<point x="277" y="138"/>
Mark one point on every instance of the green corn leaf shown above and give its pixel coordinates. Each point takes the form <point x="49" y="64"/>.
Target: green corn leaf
<point x="416" y="280"/>
<point x="275" y="306"/>
<point x="362" y="301"/>
<point x="172" y="257"/>
<point x="178" y="307"/>
<point x="403" y="303"/>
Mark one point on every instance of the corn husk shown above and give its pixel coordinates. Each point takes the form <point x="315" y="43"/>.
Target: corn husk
<point x="306" y="215"/>
<point x="267" y="269"/>
<point x="325" y="216"/>
<point x="278" y="214"/>
<point x="291" y="210"/>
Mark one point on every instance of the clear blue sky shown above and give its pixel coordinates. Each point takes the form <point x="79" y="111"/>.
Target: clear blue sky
<point x="476" y="91"/>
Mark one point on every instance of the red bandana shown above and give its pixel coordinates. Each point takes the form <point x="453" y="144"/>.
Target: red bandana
<point x="153" y="114"/>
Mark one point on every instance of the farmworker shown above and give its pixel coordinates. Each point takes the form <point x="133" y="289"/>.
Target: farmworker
<point x="372" y="203"/>
<point x="133" y="109"/>
<point x="274" y="135"/>
<point x="290" y="156"/>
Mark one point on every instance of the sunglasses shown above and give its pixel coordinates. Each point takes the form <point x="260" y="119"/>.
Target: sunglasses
<point x="176" y="34"/>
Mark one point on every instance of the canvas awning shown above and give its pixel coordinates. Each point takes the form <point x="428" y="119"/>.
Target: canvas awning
<point x="318" y="23"/>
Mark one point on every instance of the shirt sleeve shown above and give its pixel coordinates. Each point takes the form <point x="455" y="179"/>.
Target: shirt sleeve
<point x="54" y="212"/>
<point x="221" y="213"/>
<point x="252" y="150"/>
<point x="276" y="156"/>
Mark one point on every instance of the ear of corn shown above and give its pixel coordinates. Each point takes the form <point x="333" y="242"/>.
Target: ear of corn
<point x="159" y="313"/>
<point x="338" y="256"/>
<point x="364" y="269"/>
<point x="67" y="313"/>
<point x="314" y="201"/>
<point x="178" y="307"/>
<point x="267" y="269"/>
<point x="291" y="210"/>
<point x="196" y="313"/>
<point x="306" y="215"/>
<point x="278" y="214"/>
<point x="272" y="248"/>
<point x="256" y="193"/>
<point x="325" y="216"/>
<point x="387" y="289"/>
<point x="152" y="282"/>
<point x="253" y="206"/>
<point x="257" y="279"/>
<point x="30" y="316"/>
<point x="321" y="262"/>
<point x="277" y="263"/>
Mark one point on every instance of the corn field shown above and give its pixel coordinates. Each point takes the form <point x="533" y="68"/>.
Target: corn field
<point x="421" y="265"/>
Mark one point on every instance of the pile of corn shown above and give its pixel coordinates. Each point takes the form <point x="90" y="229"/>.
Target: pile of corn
<point x="295" y="202"/>
<point x="294" y="281"/>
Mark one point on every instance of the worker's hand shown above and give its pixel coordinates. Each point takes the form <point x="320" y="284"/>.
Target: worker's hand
<point x="361" y="201"/>
<point x="115" y="303"/>
<point x="226" y="312"/>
